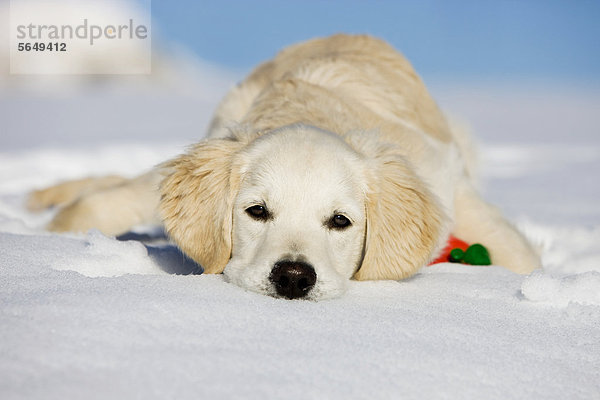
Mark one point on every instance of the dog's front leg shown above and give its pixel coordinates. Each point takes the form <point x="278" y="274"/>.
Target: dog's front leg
<point x="65" y="193"/>
<point x="114" y="209"/>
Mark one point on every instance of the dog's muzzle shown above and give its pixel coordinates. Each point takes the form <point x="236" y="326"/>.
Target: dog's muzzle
<point x="293" y="279"/>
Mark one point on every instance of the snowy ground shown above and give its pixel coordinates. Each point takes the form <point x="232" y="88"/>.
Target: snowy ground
<point x="92" y="317"/>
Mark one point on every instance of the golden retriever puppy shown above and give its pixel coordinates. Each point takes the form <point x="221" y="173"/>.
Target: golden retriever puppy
<point x="329" y="162"/>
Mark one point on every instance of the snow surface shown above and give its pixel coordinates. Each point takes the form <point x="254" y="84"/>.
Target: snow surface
<point x="89" y="316"/>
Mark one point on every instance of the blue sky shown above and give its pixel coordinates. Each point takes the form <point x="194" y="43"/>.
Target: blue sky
<point x="451" y="40"/>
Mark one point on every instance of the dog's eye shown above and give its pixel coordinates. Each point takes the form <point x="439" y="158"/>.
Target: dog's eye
<point x="258" y="212"/>
<point x="339" y="221"/>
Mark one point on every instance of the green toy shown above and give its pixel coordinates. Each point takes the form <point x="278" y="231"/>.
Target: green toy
<point x="475" y="254"/>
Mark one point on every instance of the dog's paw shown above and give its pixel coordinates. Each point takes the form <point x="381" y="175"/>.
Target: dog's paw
<point x="55" y="196"/>
<point x="67" y="192"/>
<point x="516" y="254"/>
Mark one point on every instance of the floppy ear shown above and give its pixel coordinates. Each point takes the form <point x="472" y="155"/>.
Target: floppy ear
<point x="197" y="201"/>
<point x="405" y="224"/>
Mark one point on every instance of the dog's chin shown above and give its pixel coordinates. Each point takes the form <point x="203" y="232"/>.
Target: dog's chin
<point x="329" y="285"/>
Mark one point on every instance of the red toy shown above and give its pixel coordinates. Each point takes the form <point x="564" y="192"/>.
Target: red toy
<point x="459" y="251"/>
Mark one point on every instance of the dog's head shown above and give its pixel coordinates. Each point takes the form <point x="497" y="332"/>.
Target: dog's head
<point x="298" y="211"/>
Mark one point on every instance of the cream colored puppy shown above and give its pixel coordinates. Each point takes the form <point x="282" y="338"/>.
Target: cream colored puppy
<point x="329" y="162"/>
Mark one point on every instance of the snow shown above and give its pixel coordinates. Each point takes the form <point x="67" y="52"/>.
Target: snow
<point x="562" y="290"/>
<point x="90" y="316"/>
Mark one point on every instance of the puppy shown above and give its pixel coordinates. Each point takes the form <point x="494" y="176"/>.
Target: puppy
<point x="328" y="163"/>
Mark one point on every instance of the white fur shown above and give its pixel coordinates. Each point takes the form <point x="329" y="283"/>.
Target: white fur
<point x="285" y="170"/>
<point x="339" y="125"/>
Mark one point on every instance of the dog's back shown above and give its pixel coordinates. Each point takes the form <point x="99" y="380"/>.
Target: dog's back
<point x="363" y="72"/>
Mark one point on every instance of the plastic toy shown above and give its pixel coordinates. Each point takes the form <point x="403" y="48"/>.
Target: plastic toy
<point x="458" y="251"/>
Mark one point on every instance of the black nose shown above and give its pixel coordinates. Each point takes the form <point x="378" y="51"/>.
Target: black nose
<point x="293" y="279"/>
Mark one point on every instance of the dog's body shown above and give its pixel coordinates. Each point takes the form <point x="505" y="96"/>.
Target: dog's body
<point x="328" y="162"/>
